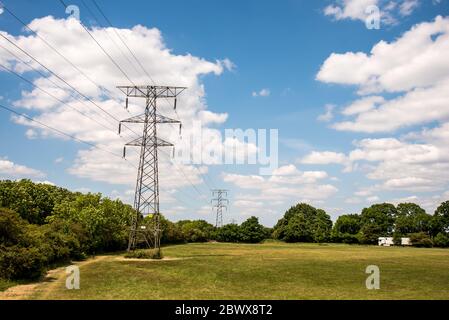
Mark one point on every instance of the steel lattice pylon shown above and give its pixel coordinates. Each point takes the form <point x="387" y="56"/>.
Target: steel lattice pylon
<point x="218" y="204"/>
<point x="146" y="200"/>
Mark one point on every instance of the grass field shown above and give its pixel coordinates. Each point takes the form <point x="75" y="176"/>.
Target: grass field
<point x="267" y="271"/>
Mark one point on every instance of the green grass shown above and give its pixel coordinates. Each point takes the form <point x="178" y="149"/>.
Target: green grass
<point x="5" y="284"/>
<point x="268" y="271"/>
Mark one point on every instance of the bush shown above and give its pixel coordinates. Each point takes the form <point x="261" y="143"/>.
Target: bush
<point x="11" y="227"/>
<point x="32" y="201"/>
<point x="144" y="254"/>
<point x="21" y="263"/>
<point x="229" y="233"/>
<point x="420" y="240"/>
<point x="441" y="240"/>
<point x="196" y="231"/>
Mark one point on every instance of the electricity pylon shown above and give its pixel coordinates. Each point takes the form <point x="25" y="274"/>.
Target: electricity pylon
<point x="146" y="200"/>
<point x="217" y="204"/>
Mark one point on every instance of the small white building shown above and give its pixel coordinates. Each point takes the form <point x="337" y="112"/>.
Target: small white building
<point x="406" y="242"/>
<point x="388" y="241"/>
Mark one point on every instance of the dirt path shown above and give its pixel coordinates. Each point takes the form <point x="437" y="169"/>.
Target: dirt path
<point x="51" y="280"/>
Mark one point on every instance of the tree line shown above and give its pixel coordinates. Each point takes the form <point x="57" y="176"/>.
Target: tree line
<point x="304" y="223"/>
<point x="43" y="225"/>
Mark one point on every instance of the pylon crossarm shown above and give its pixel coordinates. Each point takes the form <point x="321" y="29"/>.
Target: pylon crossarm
<point x="141" y="119"/>
<point x="139" y="143"/>
<point x="151" y="91"/>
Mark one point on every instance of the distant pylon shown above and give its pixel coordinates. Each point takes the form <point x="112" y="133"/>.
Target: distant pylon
<point x="146" y="200"/>
<point x="218" y="204"/>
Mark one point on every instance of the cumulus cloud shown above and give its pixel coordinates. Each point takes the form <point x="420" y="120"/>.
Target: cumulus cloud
<point x="165" y="67"/>
<point x="349" y="9"/>
<point x="9" y="169"/>
<point x="287" y="185"/>
<point x="402" y="84"/>
<point x="324" y="157"/>
<point x="399" y="164"/>
<point x="390" y="10"/>
<point x="413" y="67"/>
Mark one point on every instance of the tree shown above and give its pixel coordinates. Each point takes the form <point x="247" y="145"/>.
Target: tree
<point x="252" y="231"/>
<point x="346" y="228"/>
<point x="441" y="240"/>
<point x="322" y="227"/>
<point x="442" y="217"/>
<point x="12" y="227"/>
<point x="33" y="201"/>
<point x="196" y="231"/>
<point x="106" y="222"/>
<point x="421" y="240"/>
<point x="229" y="233"/>
<point x="377" y="221"/>
<point x="303" y="223"/>
<point x="411" y="218"/>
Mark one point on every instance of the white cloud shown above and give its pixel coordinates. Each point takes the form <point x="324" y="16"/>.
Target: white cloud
<point x="328" y="115"/>
<point x="350" y="9"/>
<point x="9" y="169"/>
<point x="363" y="105"/>
<point x="287" y="185"/>
<point x="46" y="182"/>
<point x="416" y="59"/>
<point x="325" y="157"/>
<point x="414" y="67"/>
<point x="165" y="67"/>
<point x="358" y="9"/>
<point x="208" y="117"/>
<point x="398" y="164"/>
<point x="262" y="93"/>
<point x="227" y="64"/>
<point x="419" y="106"/>
<point x="372" y="199"/>
<point x="407" y="7"/>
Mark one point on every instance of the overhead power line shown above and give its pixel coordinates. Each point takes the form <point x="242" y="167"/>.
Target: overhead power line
<point x="72" y="137"/>
<point x="101" y="47"/>
<point x="54" y="97"/>
<point x="57" y="51"/>
<point x="59" y="77"/>
<point x="153" y="82"/>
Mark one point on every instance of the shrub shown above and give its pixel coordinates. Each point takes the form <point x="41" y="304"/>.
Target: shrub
<point x="441" y="240"/>
<point x="421" y="240"/>
<point x="229" y="233"/>
<point x="21" y="263"/>
<point x="196" y="231"/>
<point x="11" y="227"/>
<point x="144" y="254"/>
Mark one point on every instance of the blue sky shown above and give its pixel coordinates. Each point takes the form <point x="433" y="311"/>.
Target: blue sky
<point x="280" y="46"/>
